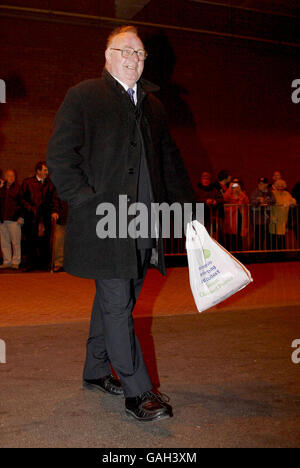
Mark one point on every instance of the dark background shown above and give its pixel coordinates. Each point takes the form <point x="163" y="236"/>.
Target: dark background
<point x="225" y="76"/>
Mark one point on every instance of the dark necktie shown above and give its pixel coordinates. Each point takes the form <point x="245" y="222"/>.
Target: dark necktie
<point x="130" y="91"/>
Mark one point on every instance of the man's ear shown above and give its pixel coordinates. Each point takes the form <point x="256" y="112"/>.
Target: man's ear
<point x="108" y="55"/>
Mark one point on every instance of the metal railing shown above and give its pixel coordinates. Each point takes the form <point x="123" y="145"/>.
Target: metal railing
<point x="248" y="229"/>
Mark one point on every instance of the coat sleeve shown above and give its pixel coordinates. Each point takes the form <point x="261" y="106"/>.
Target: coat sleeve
<point x="20" y="209"/>
<point x="176" y="179"/>
<point x="24" y="199"/>
<point x="245" y="199"/>
<point x="227" y="196"/>
<point x="63" y="152"/>
<point x="218" y="197"/>
<point x="254" y="200"/>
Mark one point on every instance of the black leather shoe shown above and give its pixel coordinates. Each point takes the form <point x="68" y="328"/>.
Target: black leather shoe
<point x="149" y="406"/>
<point x="108" y="384"/>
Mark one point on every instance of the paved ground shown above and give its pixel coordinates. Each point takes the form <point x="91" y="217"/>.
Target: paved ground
<point x="229" y="374"/>
<point x="228" y="371"/>
<point x="44" y="298"/>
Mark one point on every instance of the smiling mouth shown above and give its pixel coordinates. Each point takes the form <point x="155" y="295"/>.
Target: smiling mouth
<point x="130" y="68"/>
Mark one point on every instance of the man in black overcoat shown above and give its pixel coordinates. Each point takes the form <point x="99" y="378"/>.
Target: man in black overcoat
<point x="111" y="138"/>
<point x="40" y="206"/>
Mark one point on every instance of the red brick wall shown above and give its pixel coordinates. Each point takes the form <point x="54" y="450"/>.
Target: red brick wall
<point x="228" y="100"/>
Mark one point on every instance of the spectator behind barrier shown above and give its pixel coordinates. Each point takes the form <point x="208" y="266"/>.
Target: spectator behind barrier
<point x="279" y="214"/>
<point x="11" y="220"/>
<point x="236" y="216"/>
<point x="261" y="200"/>
<point x="40" y="204"/>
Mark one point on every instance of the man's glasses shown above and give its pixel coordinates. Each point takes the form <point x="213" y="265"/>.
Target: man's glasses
<point x="128" y="52"/>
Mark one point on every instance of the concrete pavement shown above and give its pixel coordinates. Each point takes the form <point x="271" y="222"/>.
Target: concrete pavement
<point x="229" y="374"/>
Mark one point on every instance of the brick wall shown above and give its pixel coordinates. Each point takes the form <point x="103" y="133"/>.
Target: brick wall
<point x="228" y="100"/>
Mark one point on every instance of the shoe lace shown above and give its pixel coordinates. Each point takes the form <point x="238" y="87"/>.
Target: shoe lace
<point x="160" y="397"/>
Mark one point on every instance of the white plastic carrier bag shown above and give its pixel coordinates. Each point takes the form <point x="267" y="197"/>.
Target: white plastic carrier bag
<point x="214" y="273"/>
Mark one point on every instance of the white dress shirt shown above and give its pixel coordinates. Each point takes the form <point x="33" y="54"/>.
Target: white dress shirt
<point x="127" y="87"/>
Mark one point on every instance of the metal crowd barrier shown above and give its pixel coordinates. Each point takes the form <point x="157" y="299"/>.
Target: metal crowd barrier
<point x="248" y="229"/>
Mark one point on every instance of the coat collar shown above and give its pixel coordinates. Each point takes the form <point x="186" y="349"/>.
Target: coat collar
<point x="144" y="85"/>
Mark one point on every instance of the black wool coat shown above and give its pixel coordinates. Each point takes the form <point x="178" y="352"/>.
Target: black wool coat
<point x="93" y="157"/>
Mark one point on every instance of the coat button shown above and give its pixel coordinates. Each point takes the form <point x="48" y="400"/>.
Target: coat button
<point x="130" y="170"/>
<point x="133" y="143"/>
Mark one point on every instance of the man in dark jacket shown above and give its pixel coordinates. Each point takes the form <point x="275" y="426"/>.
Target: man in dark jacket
<point x="222" y="183"/>
<point x="11" y="220"/>
<point x="111" y="139"/>
<point x="213" y="201"/>
<point x="40" y="205"/>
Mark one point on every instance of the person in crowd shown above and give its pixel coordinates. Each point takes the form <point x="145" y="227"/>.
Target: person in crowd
<point x="208" y="194"/>
<point x="130" y="151"/>
<point x="296" y="224"/>
<point x="223" y="181"/>
<point x="276" y="176"/>
<point x="1" y="184"/>
<point x="238" y="180"/>
<point x="279" y="214"/>
<point x="40" y="205"/>
<point x="11" y="220"/>
<point x="261" y="200"/>
<point x="296" y="192"/>
<point x="236" y="224"/>
<point x="60" y="230"/>
<point x="221" y="184"/>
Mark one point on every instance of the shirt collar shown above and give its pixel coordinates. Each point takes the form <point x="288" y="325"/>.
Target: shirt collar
<point x="126" y="87"/>
<point x="144" y="85"/>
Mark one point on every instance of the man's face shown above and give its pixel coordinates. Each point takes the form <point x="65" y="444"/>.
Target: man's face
<point x="128" y="70"/>
<point x="205" y="179"/>
<point x="10" y="177"/>
<point x="43" y="173"/>
<point x="235" y="188"/>
<point x="276" y="175"/>
<point x="262" y="186"/>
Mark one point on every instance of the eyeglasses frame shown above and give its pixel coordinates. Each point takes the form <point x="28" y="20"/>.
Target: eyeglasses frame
<point x="133" y="51"/>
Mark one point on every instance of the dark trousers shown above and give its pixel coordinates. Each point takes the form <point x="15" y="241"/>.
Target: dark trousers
<point x="278" y="242"/>
<point x="262" y="237"/>
<point x="112" y="340"/>
<point x="37" y="248"/>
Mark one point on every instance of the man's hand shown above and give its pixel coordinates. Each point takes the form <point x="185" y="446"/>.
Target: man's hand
<point x="1" y="183"/>
<point x="41" y="229"/>
<point x="20" y="221"/>
<point x="211" y="201"/>
<point x="55" y="216"/>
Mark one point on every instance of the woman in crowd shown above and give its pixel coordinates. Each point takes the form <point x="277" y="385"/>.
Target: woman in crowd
<point x="279" y="214"/>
